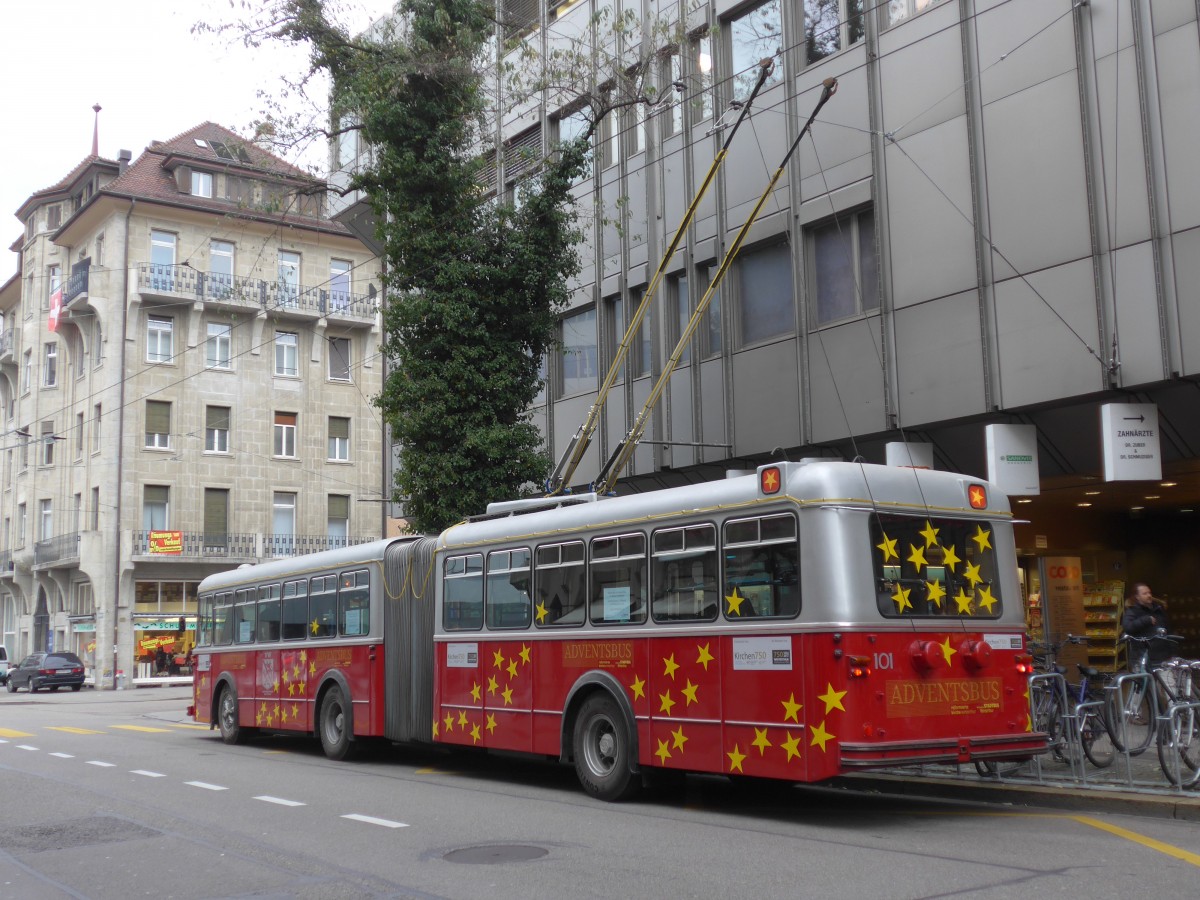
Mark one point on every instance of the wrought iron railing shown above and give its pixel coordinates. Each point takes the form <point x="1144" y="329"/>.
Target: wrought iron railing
<point x="75" y="285"/>
<point x="198" y="545"/>
<point x="6" y="342"/>
<point x="6" y="562"/>
<point x="278" y="545"/>
<point x="56" y="549"/>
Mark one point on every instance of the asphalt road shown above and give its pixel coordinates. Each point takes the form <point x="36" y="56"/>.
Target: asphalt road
<point x="118" y="795"/>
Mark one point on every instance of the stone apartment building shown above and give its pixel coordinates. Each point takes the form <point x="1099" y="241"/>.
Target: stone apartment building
<point x="188" y="356"/>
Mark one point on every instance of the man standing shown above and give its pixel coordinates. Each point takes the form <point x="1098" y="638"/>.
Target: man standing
<point x="1145" y="617"/>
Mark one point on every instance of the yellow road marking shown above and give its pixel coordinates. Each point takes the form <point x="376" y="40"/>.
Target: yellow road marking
<point x="9" y="733"/>
<point x="432" y="771"/>
<point x="142" y="728"/>
<point x="1185" y="855"/>
<point x="188" y="725"/>
<point x="70" y="730"/>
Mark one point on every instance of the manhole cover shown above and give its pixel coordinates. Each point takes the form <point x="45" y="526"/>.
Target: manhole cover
<point x="489" y="854"/>
<point x="72" y="833"/>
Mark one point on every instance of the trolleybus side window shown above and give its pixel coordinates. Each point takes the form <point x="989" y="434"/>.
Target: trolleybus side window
<point x="268" y="612"/>
<point x="926" y="566"/>
<point x="295" y="610"/>
<point x="684" y="574"/>
<point x="618" y="572"/>
<point x="354" y="603"/>
<point x="223" y="618"/>
<point x="509" y="583"/>
<point x="561" y="585"/>
<point x="322" y="608"/>
<point x="463" y="605"/>
<point x="762" y="567"/>
<point x="243" y="616"/>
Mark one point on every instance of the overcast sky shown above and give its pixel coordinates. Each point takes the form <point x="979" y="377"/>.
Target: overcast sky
<point x="139" y="60"/>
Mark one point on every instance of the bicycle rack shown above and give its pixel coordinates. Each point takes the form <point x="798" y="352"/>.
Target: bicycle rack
<point x="1175" y="710"/>
<point x="1146" y="682"/>
<point x="1056" y="684"/>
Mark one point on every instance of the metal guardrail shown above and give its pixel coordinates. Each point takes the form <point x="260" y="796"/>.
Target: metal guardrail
<point x="64" y="546"/>
<point x="199" y="545"/>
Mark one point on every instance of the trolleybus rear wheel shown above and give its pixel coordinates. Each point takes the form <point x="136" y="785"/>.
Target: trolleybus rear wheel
<point x="602" y="750"/>
<point x="227" y="717"/>
<point x="337" y="725"/>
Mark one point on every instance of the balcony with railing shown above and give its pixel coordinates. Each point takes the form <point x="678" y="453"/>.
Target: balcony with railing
<point x="6" y="563"/>
<point x="8" y="347"/>
<point x="231" y="291"/>
<point x="193" y="546"/>
<point x="62" y="550"/>
<point x="76" y="285"/>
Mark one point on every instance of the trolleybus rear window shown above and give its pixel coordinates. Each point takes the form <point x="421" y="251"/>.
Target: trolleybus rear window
<point x="354" y="603"/>
<point x="928" y="566"/>
<point x="762" y="567"/>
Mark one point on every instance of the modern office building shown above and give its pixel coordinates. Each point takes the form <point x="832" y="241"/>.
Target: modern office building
<point x="189" y="352"/>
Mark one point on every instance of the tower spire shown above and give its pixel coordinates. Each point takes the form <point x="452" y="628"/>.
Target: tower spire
<point x="96" y="131"/>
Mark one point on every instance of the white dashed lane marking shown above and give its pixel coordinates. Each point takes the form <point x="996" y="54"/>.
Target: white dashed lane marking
<point x="206" y="785"/>
<point x="147" y="773"/>
<point x="104" y="765"/>
<point x="371" y="820"/>
<point x="63" y="755"/>
<point x="25" y="747"/>
<point x="280" y="801"/>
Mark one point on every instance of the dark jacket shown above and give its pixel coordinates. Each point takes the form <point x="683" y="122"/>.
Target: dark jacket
<point x="1137" y="622"/>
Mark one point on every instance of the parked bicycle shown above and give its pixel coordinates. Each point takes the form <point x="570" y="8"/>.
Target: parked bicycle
<point x="1133" y="705"/>
<point x="1178" y="722"/>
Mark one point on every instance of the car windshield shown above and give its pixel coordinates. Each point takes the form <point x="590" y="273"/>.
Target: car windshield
<point x="60" y="660"/>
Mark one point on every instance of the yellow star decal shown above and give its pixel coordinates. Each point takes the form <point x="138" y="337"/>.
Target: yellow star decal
<point x="760" y="740"/>
<point x="770" y="480"/>
<point x="303" y="656"/>
<point x="498" y="659"/>
<point x="295" y="711"/>
<point x="663" y="752"/>
<point x="283" y="716"/>
<point x="462" y="718"/>
<point x="950" y="557"/>
<point x="972" y="574"/>
<point x="690" y="692"/>
<point x="735" y="601"/>
<point x="832" y="699"/>
<point x="963" y="600"/>
<point x="792" y="746"/>
<point x="669" y="666"/>
<point x="493" y="684"/>
<point x="889" y="548"/>
<point x="474" y="734"/>
<point x="665" y="703"/>
<point x="929" y="533"/>
<point x="947" y="650"/>
<point x="491" y="723"/>
<point x="312" y="667"/>
<point x="900" y="597"/>
<point x="475" y="693"/>
<point x="639" y="688"/>
<point x="935" y="592"/>
<point x="986" y="600"/>
<point x="524" y="654"/>
<point x="735" y="759"/>
<point x="541" y="612"/>
<point x="507" y="695"/>
<point x="983" y="538"/>
<point x="917" y="557"/>
<point x="258" y="719"/>
<point x="790" y="709"/>
<point x="512" y="668"/>
<point x="315" y="626"/>
<point x="436" y="728"/>
<point x="704" y="657"/>
<point x="1028" y="722"/>
<point x="680" y="738"/>
<point x="819" y="736"/>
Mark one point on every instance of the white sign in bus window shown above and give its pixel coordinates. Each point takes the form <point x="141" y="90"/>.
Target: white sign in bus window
<point x="462" y="656"/>
<point x="245" y="632"/>
<point x="353" y="621"/>
<point x="616" y="604"/>
<point x="751" y="653"/>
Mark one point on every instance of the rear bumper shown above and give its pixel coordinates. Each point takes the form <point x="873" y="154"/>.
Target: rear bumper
<point x="941" y="750"/>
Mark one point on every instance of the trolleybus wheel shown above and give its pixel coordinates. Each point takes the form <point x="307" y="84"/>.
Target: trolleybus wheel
<point x="602" y="746"/>
<point x="337" y="725"/>
<point x="227" y="717"/>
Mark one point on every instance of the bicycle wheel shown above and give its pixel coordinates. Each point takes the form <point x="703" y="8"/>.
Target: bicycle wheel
<point x="1132" y="722"/>
<point x="1047" y="715"/>
<point x="1096" y="739"/>
<point x="1179" y="748"/>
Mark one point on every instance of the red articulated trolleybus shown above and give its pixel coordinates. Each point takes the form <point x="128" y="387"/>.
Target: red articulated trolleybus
<point x="800" y="622"/>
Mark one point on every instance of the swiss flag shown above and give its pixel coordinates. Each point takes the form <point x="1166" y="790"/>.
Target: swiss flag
<point x="55" y="309"/>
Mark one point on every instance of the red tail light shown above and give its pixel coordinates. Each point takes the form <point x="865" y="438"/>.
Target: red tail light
<point x="860" y="666"/>
<point x="45" y="671"/>
<point x="1025" y="665"/>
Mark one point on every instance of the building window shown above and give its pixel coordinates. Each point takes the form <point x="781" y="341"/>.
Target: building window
<point x="21" y="524"/>
<point x="286" y="354"/>
<point x="53" y="282"/>
<point x="640" y="347"/>
<point x="162" y="261"/>
<point x="339" y="283"/>
<point x="347" y="142"/>
<point x="339" y="439"/>
<point x="339" y="359"/>
<point x="155" y="507"/>
<point x="285" y="435"/>
<point x="765" y="293"/>
<point x="26" y="371"/>
<point x="899" y="10"/>
<point x="219" y="346"/>
<point x="47" y="440"/>
<point x="158" y="425"/>
<point x="571" y="126"/>
<point x="830" y="25"/>
<point x="220" y="270"/>
<point x="338" y="523"/>
<point x="96" y="428"/>
<point x="579" y="352"/>
<point x="683" y="315"/>
<point x="518" y="17"/>
<point x="23" y="445"/>
<point x="673" y="91"/>
<point x="202" y="184"/>
<point x="635" y="129"/>
<point x="45" y="520"/>
<point x="701" y="84"/>
<point x="283" y="524"/>
<point x="95" y="520"/>
<point x="50" y="365"/>
<point x="216" y="429"/>
<point x="216" y="518"/>
<point x="754" y="36"/>
<point x="844" y="267"/>
<point x="76" y="512"/>
<point x="79" y="428"/>
<point x="97" y="342"/>
<point x="608" y="132"/>
<point x="289" y="277"/>
<point x="159" y="339"/>
<point x="614" y="312"/>
<point x="712" y="328"/>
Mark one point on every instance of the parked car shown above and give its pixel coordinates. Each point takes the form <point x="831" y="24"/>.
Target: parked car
<point x="3" y="664"/>
<point x="47" y="670"/>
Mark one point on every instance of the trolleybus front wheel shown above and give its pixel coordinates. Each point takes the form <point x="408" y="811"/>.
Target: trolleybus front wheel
<point x="337" y="725"/>
<point x="227" y="717"/>
<point x="602" y="750"/>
